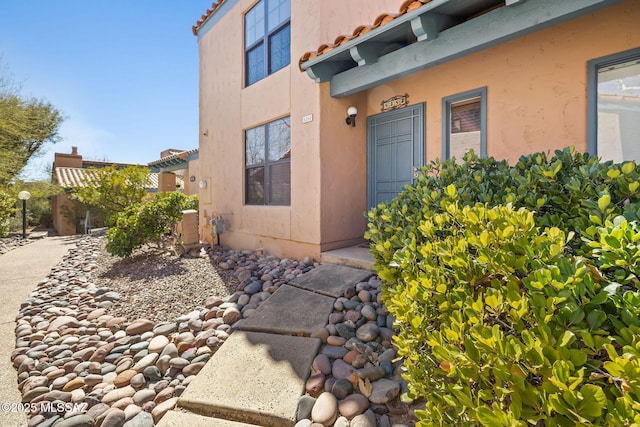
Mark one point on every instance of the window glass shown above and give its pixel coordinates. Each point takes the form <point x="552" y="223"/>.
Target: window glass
<point x="268" y="164"/>
<point x="279" y="145"/>
<point x="618" y="127"/>
<point x="254" y="24"/>
<point x="255" y="64"/>
<point x="279" y="12"/>
<point x="280" y="50"/>
<point x="255" y="186"/>
<point x="267" y="39"/>
<point x="464" y="128"/>
<point x="255" y="146"/>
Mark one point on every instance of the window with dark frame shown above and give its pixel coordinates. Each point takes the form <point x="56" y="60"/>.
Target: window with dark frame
<point x="465" y="124"/>
<point x="268" y="164"/>
<point x="614" y="106"/>
<point x="267" y="39"/>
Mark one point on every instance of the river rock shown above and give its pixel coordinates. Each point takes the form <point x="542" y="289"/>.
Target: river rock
<point x="325" y="410"/>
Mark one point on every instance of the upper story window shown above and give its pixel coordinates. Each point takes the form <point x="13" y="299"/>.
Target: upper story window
<point x="614" y="106"/>
<point x="267" y="39"/>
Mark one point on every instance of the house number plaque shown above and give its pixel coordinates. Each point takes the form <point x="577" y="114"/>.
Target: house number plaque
<point x="395" y="102"/>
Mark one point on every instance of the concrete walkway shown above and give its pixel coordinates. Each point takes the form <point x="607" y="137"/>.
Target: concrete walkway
<point x="259" y="373"/>
<point x="20" y="270"/>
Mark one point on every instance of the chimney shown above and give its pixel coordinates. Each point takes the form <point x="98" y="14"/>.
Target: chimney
<point x="74" y="151"/>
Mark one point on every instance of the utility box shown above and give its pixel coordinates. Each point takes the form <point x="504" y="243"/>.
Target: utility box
<point x="217" y="225"/>
<point x="190" y="234"/>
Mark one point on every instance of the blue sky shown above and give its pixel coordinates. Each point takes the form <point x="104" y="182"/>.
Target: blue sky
<point x="123" y="72"/>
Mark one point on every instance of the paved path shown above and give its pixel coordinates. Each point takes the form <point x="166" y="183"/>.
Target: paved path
<point x="20" y="270"/>
<point x="259" y="374"/>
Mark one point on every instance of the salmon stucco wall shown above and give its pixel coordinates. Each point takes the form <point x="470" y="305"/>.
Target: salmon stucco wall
<point x="536" y="84"/>
<point x="227" y="109"/>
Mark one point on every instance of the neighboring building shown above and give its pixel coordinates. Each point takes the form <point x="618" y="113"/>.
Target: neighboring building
<point x="177" y="170"/>
<point x="430" y="81"/>
<point x="70" y="171"/>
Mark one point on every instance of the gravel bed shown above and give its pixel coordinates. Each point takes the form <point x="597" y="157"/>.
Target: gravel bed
<point x="10" y="243"/>
<point x="160" y="287"/>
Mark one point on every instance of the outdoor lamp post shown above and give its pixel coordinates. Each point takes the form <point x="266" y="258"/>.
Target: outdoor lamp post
<point x="24" y="196"/>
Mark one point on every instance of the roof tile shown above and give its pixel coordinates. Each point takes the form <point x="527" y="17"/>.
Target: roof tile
<point x="406" y="7"/>
<point x="207" y="14"/>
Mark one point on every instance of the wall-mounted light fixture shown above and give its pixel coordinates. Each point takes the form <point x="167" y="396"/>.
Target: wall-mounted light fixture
<point x="351" y="116"/>
<point x="203" y="183"/>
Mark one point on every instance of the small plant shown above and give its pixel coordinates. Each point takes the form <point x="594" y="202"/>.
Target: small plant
<point x="150" y="223"/>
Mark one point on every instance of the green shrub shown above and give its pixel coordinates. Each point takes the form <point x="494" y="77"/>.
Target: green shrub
<point x="515" y="290"/>
<point x="149" y="223"/>
<point x="7" y="210"/>
<point x="499" y="327"/>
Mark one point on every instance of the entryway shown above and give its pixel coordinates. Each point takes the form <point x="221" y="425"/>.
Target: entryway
<point x="396" y="143"/>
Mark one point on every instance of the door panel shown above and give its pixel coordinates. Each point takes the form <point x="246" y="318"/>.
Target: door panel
<point x="395" y="147"/>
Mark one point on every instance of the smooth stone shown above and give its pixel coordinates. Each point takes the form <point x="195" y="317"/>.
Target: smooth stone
<point x="315" y="384"/>
<point x="143" y="396"/>
<point x="345" y="330"/>
<point x="138" y="380"/>
<point x="165" y="329"/>
<point x="363" y="420"/>
<point x="341" y="422"/>
<point x="170" y="350"/>
<point x="139" y="326"/>
<point x="158" y="343"/>
<point x="131" y="411"/>
<point x="334" y="352"/>
<point x="373" y="373"/>
<point x="33" y="393"/>
<point x="305" y="405"/>
<point x="60" y="321"/>
<point x="384" y="390"/>
<point x="322" y="364"/>
<point x="368" y="332"/>
<point x="304" y="423"/>
<point x="325" y="410"/>
<point x="341" y="389"/>
<point x="336" y="340"/>
<point x="124" y="378"/>
<point x="341" y="369"/>
<point x="178" y="362"/>
<point x="162" y="408"/>
<point x="147" y="360"/>
<point x="352" y="405"/>
<point x="164" y="394"/>
<point x="152" y="373"/>
<point x="193" y="368"/>
<point x="143" y="419"/>
<point x="369" y="313"/>
<point x="73" y="384"/>
<point x="96" y="410"/>
<point x="118" y="394"/>
<point x="115" y="418"/>
<point x="80" y="420"/>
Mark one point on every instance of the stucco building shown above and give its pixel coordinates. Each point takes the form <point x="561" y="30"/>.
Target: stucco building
<point x="430" y="80"/>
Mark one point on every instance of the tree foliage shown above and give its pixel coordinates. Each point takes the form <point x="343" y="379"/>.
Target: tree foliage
<point x="110" y="190"/>
<point x="149" y="223"/>
<point x="25" y="126"/>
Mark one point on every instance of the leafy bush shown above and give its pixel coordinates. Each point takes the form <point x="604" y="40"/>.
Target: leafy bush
<point x="7" y="210"/>
<point x="149" y="223"/>
<point x="515" y="290"/>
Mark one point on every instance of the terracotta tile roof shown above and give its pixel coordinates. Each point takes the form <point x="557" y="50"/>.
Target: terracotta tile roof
<point x="78" y="177"/>
<point x="174" y="156"/>
<point x="206" y="16"/>
<point x="385" y="18"/>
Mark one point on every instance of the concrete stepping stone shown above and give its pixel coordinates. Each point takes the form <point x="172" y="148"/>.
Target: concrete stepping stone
<point x="330" y="279"/>
<point x="253" y="378"/>
<point x="176" y="418"/>
<point x="290" y="311"/>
